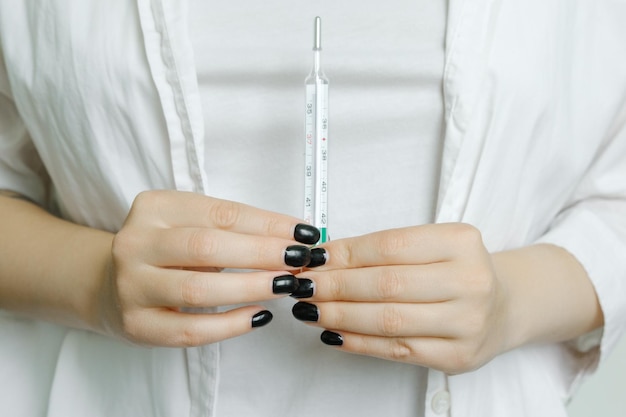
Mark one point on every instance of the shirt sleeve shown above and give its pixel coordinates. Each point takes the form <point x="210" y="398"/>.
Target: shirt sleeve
<point x="593" y="229"/>
<point x="21" y="169"/>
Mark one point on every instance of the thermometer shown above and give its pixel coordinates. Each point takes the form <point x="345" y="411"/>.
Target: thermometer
<point x="316" y="133"/>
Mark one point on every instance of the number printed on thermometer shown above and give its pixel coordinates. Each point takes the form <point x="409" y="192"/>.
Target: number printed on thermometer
<point x="316" y="156"/>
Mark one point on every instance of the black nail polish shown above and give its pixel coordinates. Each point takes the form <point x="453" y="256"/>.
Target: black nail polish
<point x="305" y="289"/>
<point x="319" y="256"/>
<point x="331" y="338"/>
<point x="285" y="284"/>
<point x="305" y="233"/>
<point x="305" y="311"/>
<point x="297" y="255"/>
<point x="261" y="318"/>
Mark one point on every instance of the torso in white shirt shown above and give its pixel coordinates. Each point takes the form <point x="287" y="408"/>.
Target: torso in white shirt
<point x="385" y="65"/>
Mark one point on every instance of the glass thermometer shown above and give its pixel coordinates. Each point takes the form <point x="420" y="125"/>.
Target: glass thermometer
<point x="316" y="131"/>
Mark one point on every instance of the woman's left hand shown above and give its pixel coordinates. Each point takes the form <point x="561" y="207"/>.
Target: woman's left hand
<point x="426" y="295"/>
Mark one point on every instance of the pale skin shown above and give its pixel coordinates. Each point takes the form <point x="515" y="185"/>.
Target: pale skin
<point x="430" y="295"/>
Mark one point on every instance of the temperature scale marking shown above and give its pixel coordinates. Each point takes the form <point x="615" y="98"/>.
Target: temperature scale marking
<point x="316" y="144"/>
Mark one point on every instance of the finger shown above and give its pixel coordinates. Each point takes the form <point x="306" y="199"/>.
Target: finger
<point x="171" y="328"/>
<point x="434" y="353"/>
<point x="185" y="209"/>
<point x="415" y="283"/>
<point x="180" y="288"/>
<point x="405" y="246"/>
<point x="381" y="319"/>
<point x="197" y="247"/>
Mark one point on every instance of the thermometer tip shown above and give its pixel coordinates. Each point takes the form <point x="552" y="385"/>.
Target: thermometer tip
<point x="317" y="38"/>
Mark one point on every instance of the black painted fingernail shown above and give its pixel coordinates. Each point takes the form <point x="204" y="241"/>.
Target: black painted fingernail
<point x="305" y="233"/>
<point x="331" y="338"/>
<point x="285" y="284"/>
<point x="305" y="289"/>
<point x="305" y="311"/>
<point x="297" y="255"/>
<point x="319" y="256"/>
<point x="261" y="318"/>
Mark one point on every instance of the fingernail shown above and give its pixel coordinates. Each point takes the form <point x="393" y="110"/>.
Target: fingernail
<point x="297" y="255"/>
<point x="331" y="338"/>
<point x="285" y="284"/>
<point x="305" y="289"/>
<point x="261" y="318"/>
<point x="319" y="256"/>
<point x="305" y="312"/>
<point x="305" y="233"/>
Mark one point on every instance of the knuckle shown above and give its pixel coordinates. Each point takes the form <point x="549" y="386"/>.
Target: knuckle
<point x="390" y="284"/>
<point x="190" y="335"/>
<point x="400" y="350"/>
<point x="200" y="247"/>
<point x="271" y="226"/>
<point x="336" y="286"/>
<point x="144" y="198"/>
<point x="224" y="214"/>
<point x="193" y="290"/>
<point x="466" y="234"/>
<point x="148" y="200"/>
<point x="151" y="207"/>
<point x="390" y="321"/>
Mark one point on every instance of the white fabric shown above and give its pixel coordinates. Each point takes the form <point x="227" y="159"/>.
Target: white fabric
<point x="385" y="64"/>
<point x="534" y="149"/>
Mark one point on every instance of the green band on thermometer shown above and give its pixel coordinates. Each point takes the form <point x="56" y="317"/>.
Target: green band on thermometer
<point x="316" y="133"/>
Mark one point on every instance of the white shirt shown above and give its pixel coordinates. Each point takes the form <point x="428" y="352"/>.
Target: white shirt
<point x="533" y="151"/>
<point x="385" y="64"/>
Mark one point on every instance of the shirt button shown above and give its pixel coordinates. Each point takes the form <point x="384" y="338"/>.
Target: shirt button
<point x="441" y="402"/>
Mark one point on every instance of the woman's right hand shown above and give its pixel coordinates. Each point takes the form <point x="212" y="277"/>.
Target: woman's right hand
<point x="167" y="257"/>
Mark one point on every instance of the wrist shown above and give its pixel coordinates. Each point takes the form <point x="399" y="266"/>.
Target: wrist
<point x="88" y="302"/>
<point x="52" y="268"/>
<point x="549" y="296"/>
<point x="513" y="321"/>
<point x="88" y="276"/>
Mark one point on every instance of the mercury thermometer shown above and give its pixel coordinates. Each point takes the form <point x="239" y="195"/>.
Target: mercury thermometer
<point x="316" y="133"/>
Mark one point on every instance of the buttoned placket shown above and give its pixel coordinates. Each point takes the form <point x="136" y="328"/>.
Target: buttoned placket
<point x="170" y="57"/>
<point x="464" y="45"/>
